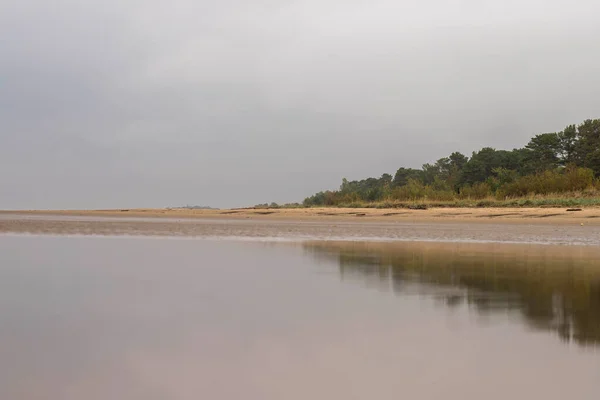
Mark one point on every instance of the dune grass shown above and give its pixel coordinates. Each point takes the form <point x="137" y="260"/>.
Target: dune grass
<point x="548" y="200"/>
<point x="573" y="199"/>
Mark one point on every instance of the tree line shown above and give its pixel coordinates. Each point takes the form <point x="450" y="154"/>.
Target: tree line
<point x="551" y="163"/>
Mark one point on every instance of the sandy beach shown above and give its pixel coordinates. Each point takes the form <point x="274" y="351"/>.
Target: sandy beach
<point x="532" y="226"/>
<point x="561" y="216"/>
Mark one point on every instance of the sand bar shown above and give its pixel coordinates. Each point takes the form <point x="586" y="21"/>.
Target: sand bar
<point x="472" y="215"/>
<point x="532" y="226"/>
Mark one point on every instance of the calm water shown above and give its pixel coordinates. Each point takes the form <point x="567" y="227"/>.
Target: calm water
<point x="147" y="318"/>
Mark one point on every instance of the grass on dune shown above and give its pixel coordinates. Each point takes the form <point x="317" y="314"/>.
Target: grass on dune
<point x="489" y="202"/>
<point x="574" y="199"/>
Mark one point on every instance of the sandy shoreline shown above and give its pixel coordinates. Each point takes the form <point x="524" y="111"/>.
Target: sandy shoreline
<point x="516" y="226"/>
<point x="561" y="216"/>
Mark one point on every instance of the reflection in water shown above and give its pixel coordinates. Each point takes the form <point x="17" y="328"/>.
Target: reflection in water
<point x="554" y="288"/>
<point x="146" y="319"/>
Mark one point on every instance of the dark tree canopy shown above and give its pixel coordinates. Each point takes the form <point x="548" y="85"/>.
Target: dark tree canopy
<point x="549" y="163"/>
<point x="403" y="175"/>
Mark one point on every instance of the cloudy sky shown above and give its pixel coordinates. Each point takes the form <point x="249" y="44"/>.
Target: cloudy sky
<point x="146" y="103"/>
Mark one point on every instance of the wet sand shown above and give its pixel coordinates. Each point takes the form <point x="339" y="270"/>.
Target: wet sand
<point x="472" y="215"/>
<point x="479" y="227"/>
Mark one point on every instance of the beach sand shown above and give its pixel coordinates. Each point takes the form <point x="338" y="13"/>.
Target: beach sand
<point x="472" y="215"/>
<point x="532" y="226"/>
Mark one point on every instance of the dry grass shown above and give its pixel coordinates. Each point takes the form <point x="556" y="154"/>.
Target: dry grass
<point x="573" y="199"/>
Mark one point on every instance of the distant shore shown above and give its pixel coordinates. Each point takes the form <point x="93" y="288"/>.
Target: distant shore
<point x="471" y="215"/>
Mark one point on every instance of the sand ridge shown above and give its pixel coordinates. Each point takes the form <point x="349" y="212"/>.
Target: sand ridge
<point x="466" y="226"/>
<point x="472" y="215"/>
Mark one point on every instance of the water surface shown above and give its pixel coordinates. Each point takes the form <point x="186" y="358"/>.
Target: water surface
<point x="148" y="318"/>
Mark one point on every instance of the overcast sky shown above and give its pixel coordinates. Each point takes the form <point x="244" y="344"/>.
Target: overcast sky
<point x="146" y="103"/>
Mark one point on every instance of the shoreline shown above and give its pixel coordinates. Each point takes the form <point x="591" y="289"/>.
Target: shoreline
<point x="580" y="228"/>
<point x="559" y="216"/>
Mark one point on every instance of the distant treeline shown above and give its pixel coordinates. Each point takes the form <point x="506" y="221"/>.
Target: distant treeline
<point x="551" y="163"/>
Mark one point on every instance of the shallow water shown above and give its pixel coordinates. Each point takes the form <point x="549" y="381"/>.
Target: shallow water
<point x="142" y="318"/>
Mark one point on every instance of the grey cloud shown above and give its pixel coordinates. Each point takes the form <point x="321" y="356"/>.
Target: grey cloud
<point x="231" y="103"/>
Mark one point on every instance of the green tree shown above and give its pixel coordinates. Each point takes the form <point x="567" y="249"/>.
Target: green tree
<point x="458" y="161"/>
<point x="403" y="175"/>
<point x="386" y="179"/>
<point x="568" y="145"/>
<point x="587" y="147"/>
<point x="532" y="169"/>
<point x="480" y="166"/>
<point x="543" y="153"/>
<point x="430" y="172"/>
<point x="457" y="164"/>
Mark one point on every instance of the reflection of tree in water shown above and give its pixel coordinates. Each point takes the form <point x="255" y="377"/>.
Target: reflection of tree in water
<point x="555" y="289"/>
